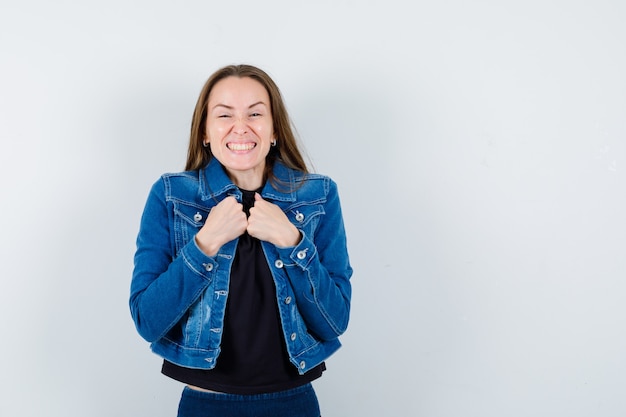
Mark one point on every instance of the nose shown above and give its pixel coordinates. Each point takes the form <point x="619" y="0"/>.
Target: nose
<point x="240" y="127"/>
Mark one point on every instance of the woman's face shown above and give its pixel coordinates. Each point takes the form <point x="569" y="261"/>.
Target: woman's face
<point x="239" y="128"/>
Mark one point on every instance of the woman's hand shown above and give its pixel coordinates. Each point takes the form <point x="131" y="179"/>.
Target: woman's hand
<point x="225" y="222"/>
<point x="268" y="222"/>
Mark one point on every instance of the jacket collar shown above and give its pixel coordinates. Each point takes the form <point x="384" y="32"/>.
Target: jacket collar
<point x="214" y="182"/>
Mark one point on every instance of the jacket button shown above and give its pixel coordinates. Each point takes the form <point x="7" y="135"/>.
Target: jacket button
<point x="299" y="216"/>
<point x="197" y="217"/>
<point x="301" y="254"/>
<point x="302" y="364"/>
<point x="278" y="263"/>
<point x="208" y="267"/>
<point x="288" y="300"/>
<point x="293" y="337"/>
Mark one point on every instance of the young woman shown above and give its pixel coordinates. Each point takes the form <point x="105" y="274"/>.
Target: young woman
<point x="242" y="278"/>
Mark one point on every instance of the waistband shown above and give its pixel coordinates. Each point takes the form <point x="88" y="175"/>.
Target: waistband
<point x="221" y="396"/>
<point x="296" y="402"/>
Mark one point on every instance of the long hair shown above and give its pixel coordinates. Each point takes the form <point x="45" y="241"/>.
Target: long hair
<point x="286" y="149"/>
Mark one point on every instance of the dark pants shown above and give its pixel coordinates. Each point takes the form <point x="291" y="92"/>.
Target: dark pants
<point x="297" y="402"/>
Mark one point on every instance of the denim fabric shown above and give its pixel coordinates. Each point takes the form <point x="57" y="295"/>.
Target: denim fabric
<point x="297" y="402"/>
<point x="178" y="294"/>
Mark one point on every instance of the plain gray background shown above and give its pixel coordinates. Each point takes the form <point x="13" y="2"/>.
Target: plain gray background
<point x="479" y="147"/>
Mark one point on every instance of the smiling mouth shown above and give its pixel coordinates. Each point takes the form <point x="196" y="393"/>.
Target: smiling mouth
<point x="240" y="146"/>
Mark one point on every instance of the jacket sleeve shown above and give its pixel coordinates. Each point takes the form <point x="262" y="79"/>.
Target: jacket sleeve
<point x="164" y="285"/>
<point x="319" y="271"/>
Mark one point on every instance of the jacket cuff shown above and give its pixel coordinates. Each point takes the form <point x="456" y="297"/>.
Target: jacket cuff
<point x="302" y="254"/>
<point x="198" y="261"/>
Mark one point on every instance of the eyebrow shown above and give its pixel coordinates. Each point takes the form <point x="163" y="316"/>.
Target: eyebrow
<point x="230" y="107"/>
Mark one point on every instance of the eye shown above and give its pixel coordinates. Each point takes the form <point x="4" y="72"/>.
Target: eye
<point x="255" y="114"/>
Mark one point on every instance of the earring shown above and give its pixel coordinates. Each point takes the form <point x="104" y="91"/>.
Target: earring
<point x="205" y="144"/>
<point x="273" y="142"/>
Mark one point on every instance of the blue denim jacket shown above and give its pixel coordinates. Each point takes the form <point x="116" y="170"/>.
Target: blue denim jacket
<point x="178" y="294"/>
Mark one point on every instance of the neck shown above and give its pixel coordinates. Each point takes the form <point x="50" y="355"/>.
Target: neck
<point x="247" y="181"/>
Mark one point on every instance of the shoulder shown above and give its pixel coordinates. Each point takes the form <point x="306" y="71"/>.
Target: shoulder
<point x="184" y="183"/>
<point x="312" y="187"/>
<point x="314" y="181"/>
<point x="300" y="179"/>
<point x="181" y="176"/>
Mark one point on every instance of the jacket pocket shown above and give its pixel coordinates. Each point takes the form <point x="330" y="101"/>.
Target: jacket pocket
<point x="188" y="220"/>
<point x="305" y="217"/>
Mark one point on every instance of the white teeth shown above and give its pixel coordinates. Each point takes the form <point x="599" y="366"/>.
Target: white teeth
<point x="240" y="146"/>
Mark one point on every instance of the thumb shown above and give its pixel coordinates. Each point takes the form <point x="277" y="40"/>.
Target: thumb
<point x="257" y="197"/>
